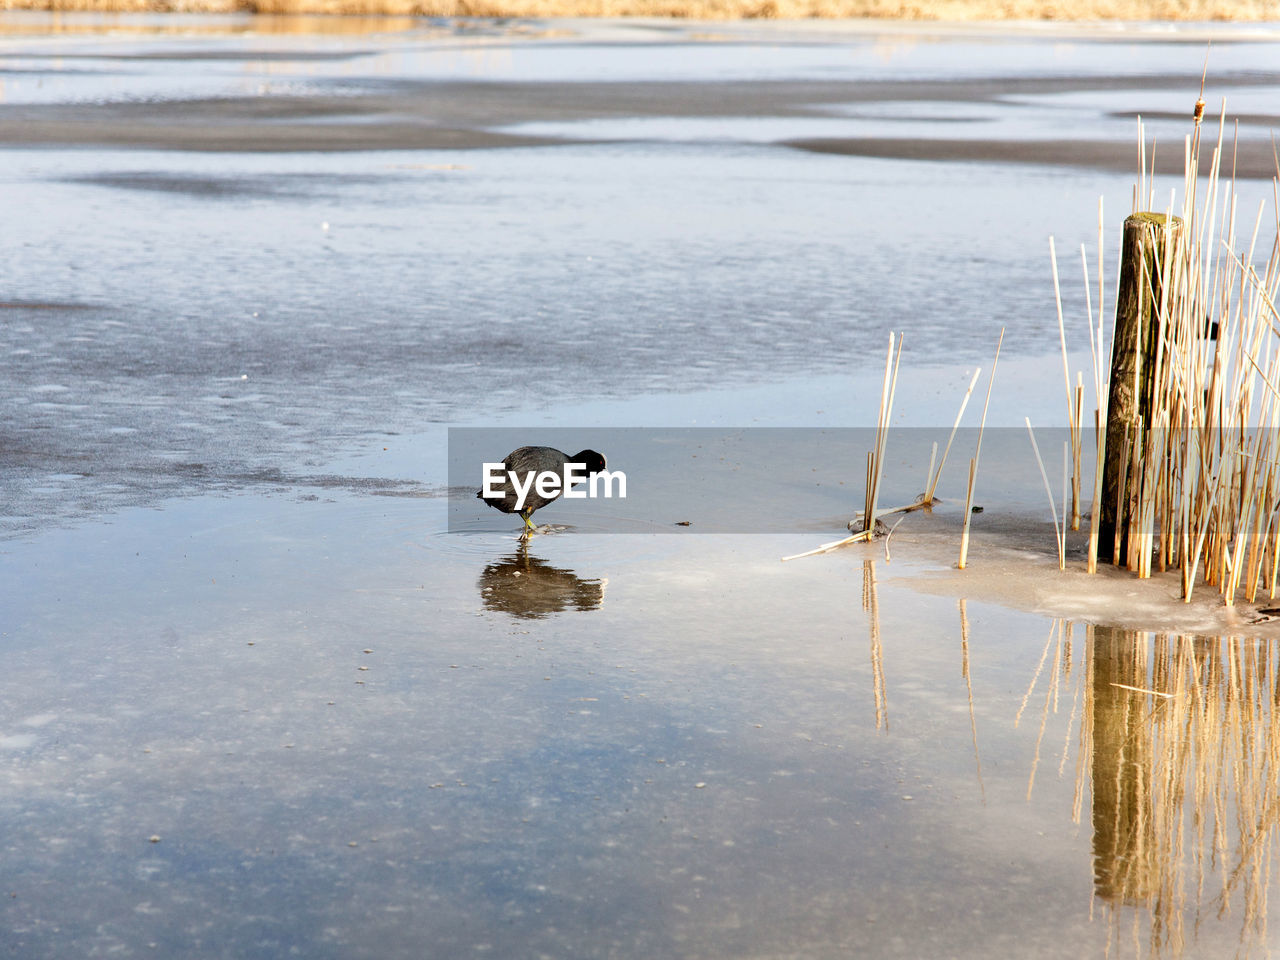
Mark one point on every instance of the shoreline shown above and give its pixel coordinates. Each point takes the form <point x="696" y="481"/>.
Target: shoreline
<point x="728" y="11"/>
<point x="1018" y="573"/>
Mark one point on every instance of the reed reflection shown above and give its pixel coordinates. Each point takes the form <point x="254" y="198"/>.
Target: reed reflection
<point x="871" y="605"/>
<point x="527" y="587"/>
<point x="968" y="685"/>
<point x="1179" y="739"/>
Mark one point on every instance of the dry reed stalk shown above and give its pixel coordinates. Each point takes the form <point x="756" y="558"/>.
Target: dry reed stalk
<point x="928" y="474"/>
<point x="882" y="427"/>
<point x="1077" y="443"/>
<point x="973" y="463"/>
<point x="861" y="537"/>
<point x="933" y="483"/>
<point x="1062" y="534"/>
<point x="1140" y="191"/>
<point x="868" y="508"/>
<point x="871" y="512"/>
<point x="968" y="512"/>
<point x="1057" y="535"/>
<point x="889" y="536"/>
<point x="1073" y="402"/>
<point x="1095" y="517"/>
<point x="1100" y="394"/>
<point x="1146" y="477"/>
<point x="875" y="462"/>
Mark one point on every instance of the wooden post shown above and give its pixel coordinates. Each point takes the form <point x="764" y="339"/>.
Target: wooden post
<point x="1133" y="354"/>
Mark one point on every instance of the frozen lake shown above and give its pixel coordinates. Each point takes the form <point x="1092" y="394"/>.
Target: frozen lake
<point x="262" y="702"/>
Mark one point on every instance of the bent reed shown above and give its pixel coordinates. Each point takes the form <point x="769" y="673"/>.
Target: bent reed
<point x="942" y="10"/>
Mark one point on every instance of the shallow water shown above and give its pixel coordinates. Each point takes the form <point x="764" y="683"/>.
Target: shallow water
<point x="624" y="745"/>
<point x="261" y="700"/>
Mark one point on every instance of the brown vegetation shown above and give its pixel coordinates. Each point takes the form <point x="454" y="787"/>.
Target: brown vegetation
<point x="1190" y="10"/>
<point x="1199" y="471"/>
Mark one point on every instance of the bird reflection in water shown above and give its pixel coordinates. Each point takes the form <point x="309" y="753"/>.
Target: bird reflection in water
<point x="528" y="587"/>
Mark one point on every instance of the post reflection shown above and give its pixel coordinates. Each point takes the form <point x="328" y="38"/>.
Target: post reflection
<point x="1124" y="840"/>
<point x="1178" y="741"/>
<point x="529" y="588"/>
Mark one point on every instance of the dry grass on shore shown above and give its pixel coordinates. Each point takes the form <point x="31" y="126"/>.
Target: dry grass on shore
<point x="1182" y="10"/>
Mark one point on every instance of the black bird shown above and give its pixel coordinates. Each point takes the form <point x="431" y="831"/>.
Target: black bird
<point x="526" y="463"/>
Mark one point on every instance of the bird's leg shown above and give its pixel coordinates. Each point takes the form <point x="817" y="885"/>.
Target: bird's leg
<point x="527" y="516"/>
